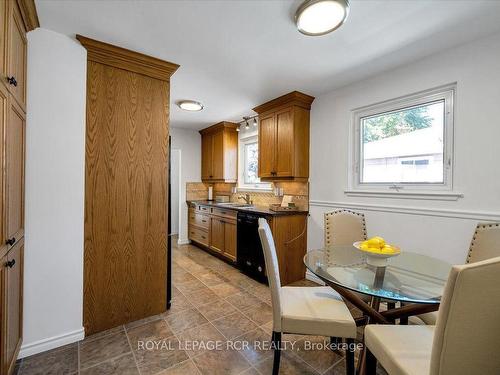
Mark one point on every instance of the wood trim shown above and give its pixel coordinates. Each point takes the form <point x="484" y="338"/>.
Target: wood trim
<point x="122" y="58"/>
<point x="219" y="126"/>
<point x="29" y="14"/>
<point x="295" y="98"/>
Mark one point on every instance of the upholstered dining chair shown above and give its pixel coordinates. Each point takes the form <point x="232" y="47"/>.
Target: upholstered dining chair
<point x="304" y="310"/>
<point x="485" y="244"/>
<point x="465" y="339"/>
<point x="344" y="227"/>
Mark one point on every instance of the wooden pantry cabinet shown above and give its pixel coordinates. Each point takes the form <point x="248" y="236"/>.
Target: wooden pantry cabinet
<point x="126" y="186"/>
<point x="16" y="19"/>
<point x="284" y="137"/>
<point x="219" y="153"/>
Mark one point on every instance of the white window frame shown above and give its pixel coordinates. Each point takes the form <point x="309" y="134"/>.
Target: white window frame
<point x="242" y="186"/>
<point x="440" y="191"/>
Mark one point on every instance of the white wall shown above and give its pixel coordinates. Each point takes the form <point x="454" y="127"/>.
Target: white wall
<point x="55" y="155"/>
<point x="175" y="167"/>
<point x="188" y="142"/>
<point x="439" y="228"/>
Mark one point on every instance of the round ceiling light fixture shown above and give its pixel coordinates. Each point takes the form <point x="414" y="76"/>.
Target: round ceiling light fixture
<point x="320" y="17"/>
<point x="190" y="105"/>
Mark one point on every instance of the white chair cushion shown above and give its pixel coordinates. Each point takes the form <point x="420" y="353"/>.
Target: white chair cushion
<point x="429" y="318"/>
<point x="401" y="350"/>
<point x="315" y="311"/>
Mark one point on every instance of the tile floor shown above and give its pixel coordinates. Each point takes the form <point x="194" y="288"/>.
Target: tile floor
<point x="213" y="303"/>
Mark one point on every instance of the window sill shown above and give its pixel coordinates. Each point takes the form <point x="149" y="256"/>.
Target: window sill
<point x="254" y="190"/>
<point x="422" y="195"/>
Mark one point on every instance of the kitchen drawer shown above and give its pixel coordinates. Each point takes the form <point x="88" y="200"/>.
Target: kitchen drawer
<point x="198" y="235"/>
<point x="199" y="220"/>
<point x="203" y="209"/>
<point x="224" y="212"/>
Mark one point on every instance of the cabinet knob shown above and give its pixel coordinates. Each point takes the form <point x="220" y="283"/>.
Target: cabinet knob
<point x="11" y="263"/>
<point x="11" y="241"/>
<point x="12" y="81"/>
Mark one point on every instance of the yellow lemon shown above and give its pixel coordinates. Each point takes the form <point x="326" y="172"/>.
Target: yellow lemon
<point x="377" y="242"/>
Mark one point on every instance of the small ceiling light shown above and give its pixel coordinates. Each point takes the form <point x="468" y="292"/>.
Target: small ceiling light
<point x="320" y="17"/>
<point x="254" y="121"/>
<point x="190" y="105"/>
<point x="246" y="125"/>
<point x="238" y="128"/>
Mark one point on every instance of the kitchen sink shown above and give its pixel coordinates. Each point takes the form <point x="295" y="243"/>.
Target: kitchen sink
<point x="234" y="204"/>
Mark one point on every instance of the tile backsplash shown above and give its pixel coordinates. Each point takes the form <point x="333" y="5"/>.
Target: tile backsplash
<point x="298" y="190"/>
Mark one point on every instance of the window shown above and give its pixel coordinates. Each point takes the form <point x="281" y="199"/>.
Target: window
<point x="248" y="161"/>
<point x="404" y="144"/>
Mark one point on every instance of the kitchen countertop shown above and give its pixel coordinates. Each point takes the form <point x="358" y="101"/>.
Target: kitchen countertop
<point x="256" y="209"/>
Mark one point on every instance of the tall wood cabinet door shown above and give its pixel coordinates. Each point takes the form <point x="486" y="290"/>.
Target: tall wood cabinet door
<point x="217" y="234"/>
<point x="284" y="143"/>
<point x="16" y="67"/>
<point x="3" y="38"/>
<point x="206" y="157"/>
<point x="4" y="115"/>
<point x="14" y="311"/>
<point x="218" y="156"/>
<point x="126" y="177"/>
<point x="14" y="161"/>
<point x="267" y="144"/>
<point x="230" y="240"/>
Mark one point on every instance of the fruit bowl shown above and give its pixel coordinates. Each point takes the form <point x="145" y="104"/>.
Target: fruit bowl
<point x="377" y="255"/>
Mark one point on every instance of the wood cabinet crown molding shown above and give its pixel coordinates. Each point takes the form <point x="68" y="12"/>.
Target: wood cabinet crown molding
<point x="29" y="14"/>
<point x="294" y="98"/>
<point x="122" y="58"/>
<point x="218" y="126"/>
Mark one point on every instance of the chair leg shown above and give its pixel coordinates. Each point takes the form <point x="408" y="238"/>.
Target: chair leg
<point x="391" y="305"/>
<point x="277" y="352"/>
<point x="349" y="357"/>
<point x="334" y="343"/>
<point x="371" y="363"/>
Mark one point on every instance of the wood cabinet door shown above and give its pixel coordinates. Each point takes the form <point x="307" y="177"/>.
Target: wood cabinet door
<point x="14" y="311"/>
<point x="267" y="144"/>
<point x="16" y="69"/>
<point x="218" y="155"/>
<point x="284" y="143"/>
<point x="217" y="234"/>
<point x="230" y="240"/>
<point x="14" y="175"/>
<point x="3" y="38"/>
<point x="126" y="179"/>
<point x="206" y="156"/>
<point x="4" y="116"/>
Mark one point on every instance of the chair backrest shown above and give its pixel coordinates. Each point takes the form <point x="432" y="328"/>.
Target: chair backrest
<point x="485" y="243"/>
<point x="467" y="333"/>
<point x="344" y="227"/>
<point x="272" y="269"/>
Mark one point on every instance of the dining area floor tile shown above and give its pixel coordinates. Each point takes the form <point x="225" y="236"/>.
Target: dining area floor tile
<point x="212" y="302"/>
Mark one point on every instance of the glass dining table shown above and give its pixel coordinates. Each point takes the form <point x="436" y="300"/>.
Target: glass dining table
<point x="416" y="281"/>
<point x="413" y="280"/>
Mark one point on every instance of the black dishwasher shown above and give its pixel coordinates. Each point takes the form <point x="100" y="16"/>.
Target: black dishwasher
<point x="250" y="256"/>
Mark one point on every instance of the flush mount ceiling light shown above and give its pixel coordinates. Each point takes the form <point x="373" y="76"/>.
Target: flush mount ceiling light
<point x="190" y="105"/>
<point x="320" y="17"/>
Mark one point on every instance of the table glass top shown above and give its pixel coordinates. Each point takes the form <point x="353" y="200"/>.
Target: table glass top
<point x="408" y="277"/>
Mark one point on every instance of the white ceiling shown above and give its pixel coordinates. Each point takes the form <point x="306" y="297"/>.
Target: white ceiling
<point x="235" y="55"/>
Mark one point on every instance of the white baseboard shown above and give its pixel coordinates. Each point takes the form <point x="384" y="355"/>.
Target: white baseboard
<point x="183" y="241"/>
<point x="51" y="343"/>
<point x="312" y="277"/>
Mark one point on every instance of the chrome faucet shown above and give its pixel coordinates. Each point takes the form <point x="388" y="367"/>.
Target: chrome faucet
<point x="246" y="198"/>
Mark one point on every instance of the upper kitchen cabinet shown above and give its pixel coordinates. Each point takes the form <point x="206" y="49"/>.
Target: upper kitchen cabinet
<point x="16" y="61"/>
<point x="219" y="153"/>
<point x="284" y="137"/>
